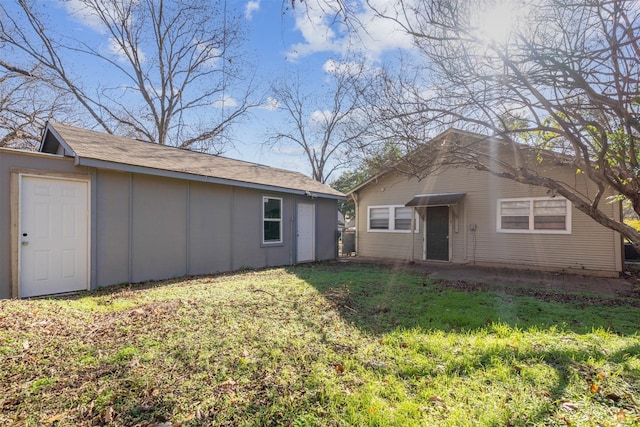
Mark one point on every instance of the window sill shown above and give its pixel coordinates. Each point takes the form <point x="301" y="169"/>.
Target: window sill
<point x="271" y="245"/>
<point x="392" y="231"/>
<point x="560" y="232"/>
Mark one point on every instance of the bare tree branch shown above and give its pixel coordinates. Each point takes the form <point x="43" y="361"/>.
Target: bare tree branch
<point x="170" y="67"/>
<point x="563" y="84"/>
<point x="326" y="126"/>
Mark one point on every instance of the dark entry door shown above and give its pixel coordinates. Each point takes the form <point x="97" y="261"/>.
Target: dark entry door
<point x="438" y="233"/>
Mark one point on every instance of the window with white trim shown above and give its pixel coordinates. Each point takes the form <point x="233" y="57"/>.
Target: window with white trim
<point x="271" y="220"/>
<point x="395" y="218"/>
<point x="551" y="215"/>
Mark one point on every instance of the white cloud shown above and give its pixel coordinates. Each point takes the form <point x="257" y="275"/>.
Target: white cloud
<point x="87" y="17"/>
<point x="213" y="55"/>
<point x="319" y="25"/>
<point x="271" y="104"/>
<point x="115" y="49"/>
<point x="331" y="66"/>
<point x="82" y="14"/>
<point x="320" y="117"/>
<point x="314" y="22"/>
<point x="225" y="101"/>
<point x="252" y="7"/>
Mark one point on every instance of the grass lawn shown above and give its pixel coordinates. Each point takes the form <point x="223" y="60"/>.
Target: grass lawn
<point x="320" y="345"/>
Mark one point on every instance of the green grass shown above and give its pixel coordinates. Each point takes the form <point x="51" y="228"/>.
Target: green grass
<point x="320" y="345"/>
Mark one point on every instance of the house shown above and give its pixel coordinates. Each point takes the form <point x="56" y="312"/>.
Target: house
<point x="462" y="214"/>
<point x="90" y="210"/>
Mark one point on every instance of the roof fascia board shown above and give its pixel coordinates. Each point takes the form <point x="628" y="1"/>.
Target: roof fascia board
<point x="31" y="153"/>
<point x="102" y="164"/>
<point x="367" y="182"/>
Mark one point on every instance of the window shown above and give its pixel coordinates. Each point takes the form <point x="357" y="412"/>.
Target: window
<point x="272" y="220"/>
<point x="402" y="218"/>
<point x="391" y="218"/>
<point x="379" y="218"/>
<point x="534" y="215"/>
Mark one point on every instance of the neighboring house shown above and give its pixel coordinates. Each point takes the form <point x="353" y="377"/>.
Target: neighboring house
<point x="93" y="210"/>
<point x="467" y="216"/>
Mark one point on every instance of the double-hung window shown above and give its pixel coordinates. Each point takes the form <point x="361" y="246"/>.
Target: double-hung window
<point x="271" y="220"/>
<point x="551" y="215"/>
<point x="390" y="218"/>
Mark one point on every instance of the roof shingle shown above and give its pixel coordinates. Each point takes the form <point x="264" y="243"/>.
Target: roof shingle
<point x="118" y="152"/>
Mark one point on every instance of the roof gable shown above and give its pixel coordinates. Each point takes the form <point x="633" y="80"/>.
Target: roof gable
<point x="101" y="150"/>
<point x="482" y="145"/>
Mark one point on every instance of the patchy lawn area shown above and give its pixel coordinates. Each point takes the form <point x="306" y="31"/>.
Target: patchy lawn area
<point x="320" y="345"/>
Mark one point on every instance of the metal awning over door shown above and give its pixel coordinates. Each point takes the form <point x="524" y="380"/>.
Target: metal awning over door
<point x="439" y="199"/>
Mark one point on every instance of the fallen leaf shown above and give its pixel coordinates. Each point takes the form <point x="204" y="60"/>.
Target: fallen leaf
<point x="227" y="383"/>
<point x="436" y="399"/>
<point x="621" y="415"/>
<point x="107" y="415"/>
<point x="601" y="376"/>
<point x="54" y="418"/>
<point x="594" y="388"/>
<point x="568" y="406"/>
<point x="339" y="369"/>
<point x="26" y="345"/>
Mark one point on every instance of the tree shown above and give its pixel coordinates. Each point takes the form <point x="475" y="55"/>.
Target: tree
<point x="326" y="136"/>
<point x="347" y="181"/>
<point x="562" y="82"/>
<point x="25" y="107"/>
<point x="168" y="68"/>
<point x="373" y="163"/>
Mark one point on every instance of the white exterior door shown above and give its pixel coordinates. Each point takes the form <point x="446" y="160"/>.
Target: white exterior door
<point x="53" y="236"/>
<point x="306" y="232"/>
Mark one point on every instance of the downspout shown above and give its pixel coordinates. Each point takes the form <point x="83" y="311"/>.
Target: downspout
<point x="187" y="263"/>
<point x="354" y="196"/>
<point x="294" y="236"/>
<point x="413" y="234"/>
<point x="130" y="266"/>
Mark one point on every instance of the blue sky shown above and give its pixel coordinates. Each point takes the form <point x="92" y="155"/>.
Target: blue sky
<point x="279" y="42"/>
<point x="304" y="40"/>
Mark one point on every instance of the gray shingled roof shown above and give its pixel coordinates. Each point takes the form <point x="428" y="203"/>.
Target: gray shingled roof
<point x="97" y="149"/>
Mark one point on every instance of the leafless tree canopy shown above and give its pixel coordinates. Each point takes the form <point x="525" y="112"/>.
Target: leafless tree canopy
<point x="564" y="81"/>
<point x="166" y="73"/>
<point x="24" y="107"/>
<point x="327" y="126"/>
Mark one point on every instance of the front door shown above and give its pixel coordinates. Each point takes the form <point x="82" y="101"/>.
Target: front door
<point x="53" y="236"/>
<point x="306" y="232"/>
<point x="437" y="231"/>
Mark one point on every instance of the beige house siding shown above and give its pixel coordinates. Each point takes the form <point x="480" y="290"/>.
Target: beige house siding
<point x="590" y="248"/>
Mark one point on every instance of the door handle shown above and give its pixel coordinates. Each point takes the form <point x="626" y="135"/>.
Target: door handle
<point x="25" y="243"/>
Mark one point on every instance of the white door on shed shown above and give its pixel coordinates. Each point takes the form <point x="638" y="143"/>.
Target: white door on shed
<point x="306" y="232"/>
<point x="53" y="235"/>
